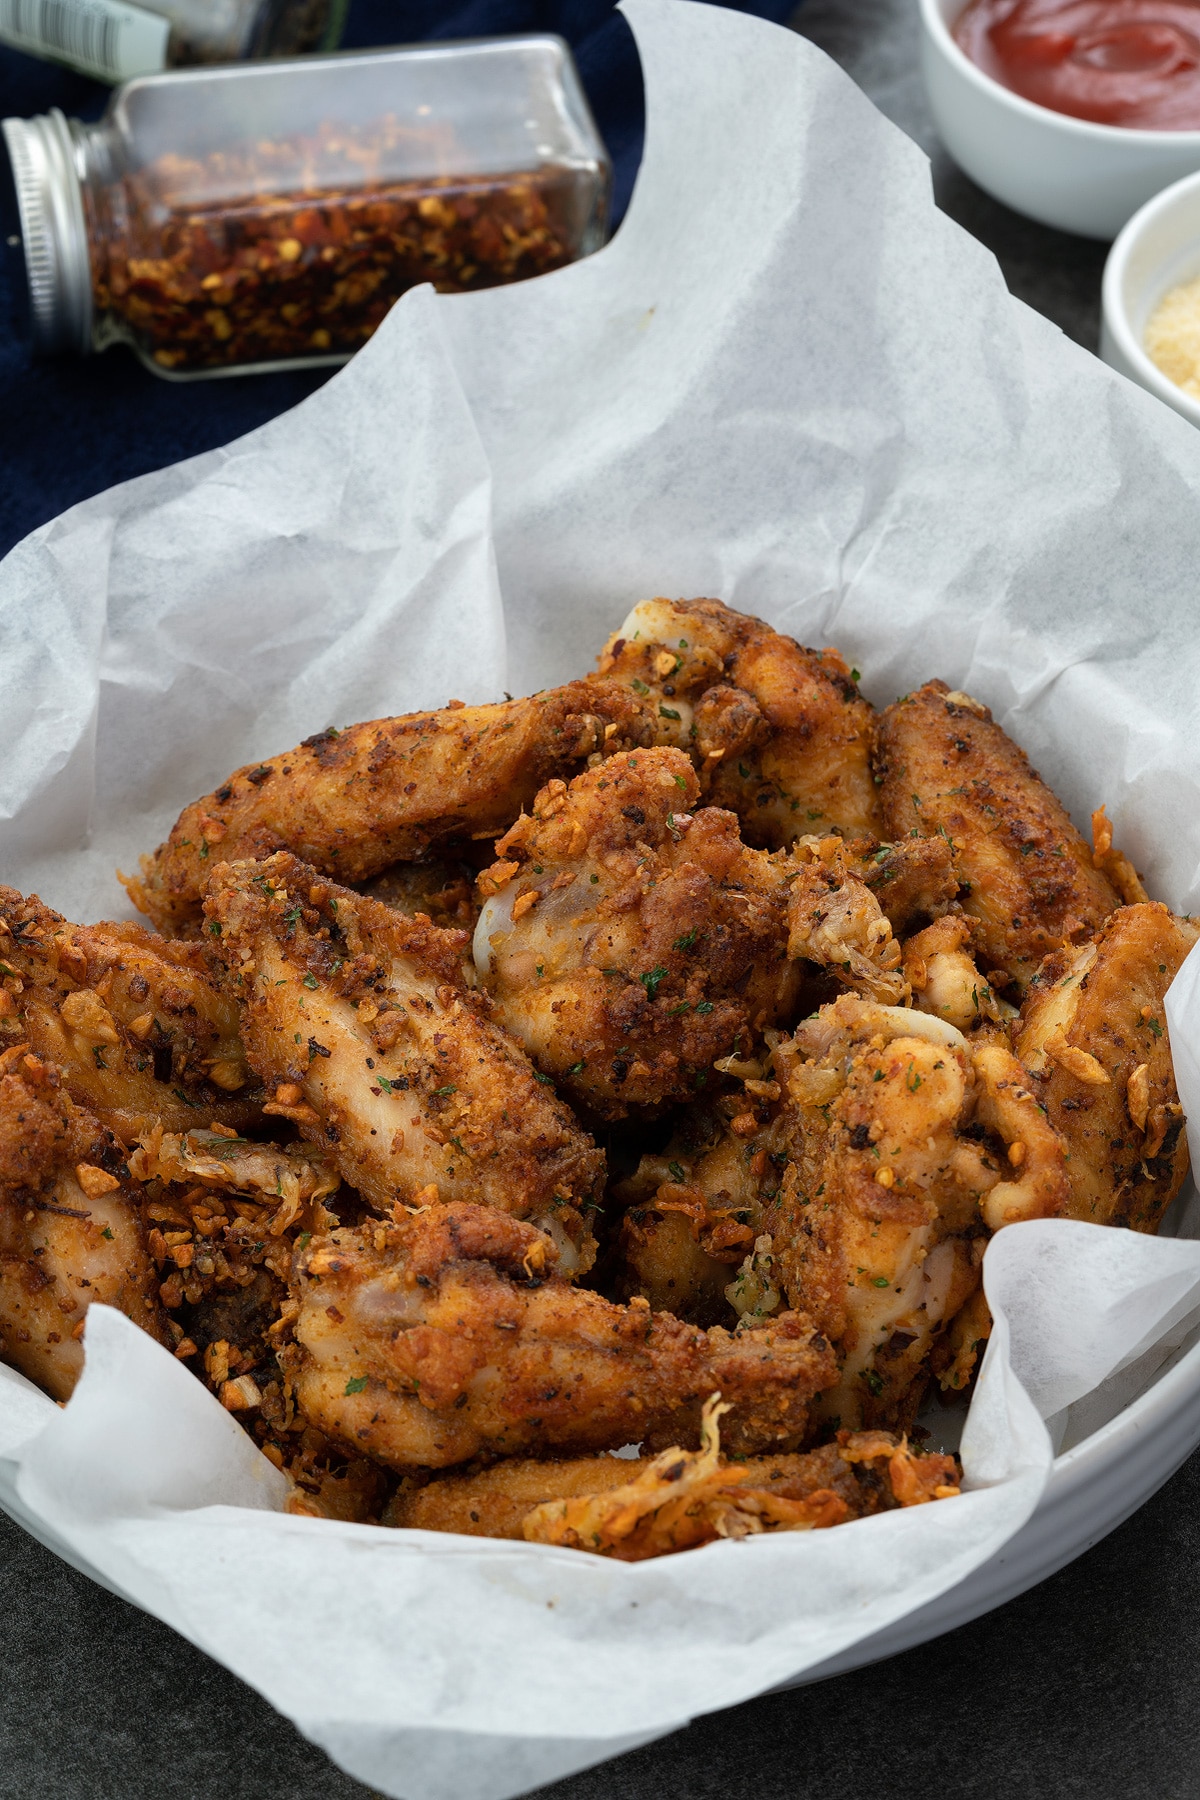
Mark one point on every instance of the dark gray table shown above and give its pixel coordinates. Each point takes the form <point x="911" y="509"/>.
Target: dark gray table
<point x="1085" y="1687"/>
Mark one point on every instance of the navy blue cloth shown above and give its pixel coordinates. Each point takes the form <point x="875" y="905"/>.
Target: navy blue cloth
<point x="72" y="426"/>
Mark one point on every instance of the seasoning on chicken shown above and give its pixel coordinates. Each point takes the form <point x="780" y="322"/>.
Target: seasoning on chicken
<point x="448" y="1335"/>
<point x="1093" y="1034"/>
<point x="137" y="1024"/>
<point x="694" y="1209"/>
<point x="282" y="1176"/>
<point x="629" y="940"/>
<point x="353" y="802"/>
<point x="363" y="1025"/>
<point x="780" y="734"/>
<point x="835" y="920"/>
<point x="947" y="769"/>
<point x="913" y="879"/>
<point x="224" y="1226"/>
<point x="70" y="1227"/>
<point x="443" y="891"/>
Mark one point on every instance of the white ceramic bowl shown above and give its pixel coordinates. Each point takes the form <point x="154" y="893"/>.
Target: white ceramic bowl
<point x="1159" y="248"/>
<point x="1061" y="171"/>
<point x="1093" y="1488"/>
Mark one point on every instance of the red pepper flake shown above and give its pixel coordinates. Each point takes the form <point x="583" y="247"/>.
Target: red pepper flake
<point x="273" y="251"/>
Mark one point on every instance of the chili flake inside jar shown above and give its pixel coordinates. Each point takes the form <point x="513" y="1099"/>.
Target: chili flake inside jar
<point x="242" y="258"/>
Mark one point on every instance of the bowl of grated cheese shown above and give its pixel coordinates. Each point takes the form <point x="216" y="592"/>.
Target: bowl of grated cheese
<point x="1150" y="324"/>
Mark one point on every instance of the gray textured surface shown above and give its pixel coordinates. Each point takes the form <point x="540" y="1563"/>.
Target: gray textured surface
<point x="876" y="41"/>
<point x="1084" y="1689"/>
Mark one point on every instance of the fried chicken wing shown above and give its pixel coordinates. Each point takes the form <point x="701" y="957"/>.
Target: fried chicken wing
<point x="362" y="1022"/>
<point x="493" y="1502"/>
<point x="389" y="791"/>
<point x="630" y="941"/>
<point x="686" y="1498"/>
<point x="137" y="1024"/>
<point x="70" y="1228"/>
<point x="780" y="734"/>
<point x="1093" y="1034"/>
<point x="863" y="1474"/>
<point x="447" y="1336"/>
<point x="906" y="1145"/>
<point x="1028" y="877"/>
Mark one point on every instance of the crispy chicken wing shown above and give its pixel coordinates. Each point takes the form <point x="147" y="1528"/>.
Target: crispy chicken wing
<point x="1093" y="1034"/>
<point x="363" y="1024"/>
<point x="780" y="734"/>
<point x="907" y="1144"/>
<point x="1028" y="877"/>
<point x="140" y="1029"/>
<point x="353" y="802"/>
<point x="431" y="1341"/>
<point x="70" y="1228"/>
<point x="629" y="941"/>
<point x="686" y="1498"/>
<point x="648" y="1506"/>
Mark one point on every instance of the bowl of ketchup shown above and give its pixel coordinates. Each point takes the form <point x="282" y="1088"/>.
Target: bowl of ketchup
<point x="1074" y="112"/>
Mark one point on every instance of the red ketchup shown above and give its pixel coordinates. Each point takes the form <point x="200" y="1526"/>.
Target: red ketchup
<point x="1118" y="62"/>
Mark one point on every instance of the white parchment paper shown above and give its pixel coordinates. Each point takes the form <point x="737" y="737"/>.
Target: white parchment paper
<point x="788" y="382"/>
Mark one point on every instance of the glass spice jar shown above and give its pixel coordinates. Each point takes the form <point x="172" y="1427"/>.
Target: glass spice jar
<point x="114" y="40"/>
<point x="266" y="216"/>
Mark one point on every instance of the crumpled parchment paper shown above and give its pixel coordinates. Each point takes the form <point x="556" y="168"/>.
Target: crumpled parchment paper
<point x="788" y="382"/>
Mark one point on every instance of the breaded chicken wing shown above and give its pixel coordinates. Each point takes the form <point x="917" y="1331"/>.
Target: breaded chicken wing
<point x="947" y="769"/>
<point x="865" y="1473"/>
<point x="70" y="1228"/>
<point x="353" y="802"/>
<point x="779" y="734"/>
<point x="447" y="1336"/>
<point x="630" y="941"/>
<point x="683" y="1498"/>
<point x="907" y="1145"/>
<point x="363" y="1024"/>
<point x="140" y="1029"/>
<point x="1093" y="1034"/>
<point x="643" y="1506"/>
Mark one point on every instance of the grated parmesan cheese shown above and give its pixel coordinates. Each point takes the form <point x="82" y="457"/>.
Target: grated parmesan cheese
<point x="1173" y="336"/>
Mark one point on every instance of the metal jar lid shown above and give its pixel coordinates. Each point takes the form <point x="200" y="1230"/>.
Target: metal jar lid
<point x="50" y="206"/>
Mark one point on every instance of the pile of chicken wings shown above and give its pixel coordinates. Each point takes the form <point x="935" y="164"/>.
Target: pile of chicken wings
<point x="643" y="1063"/>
